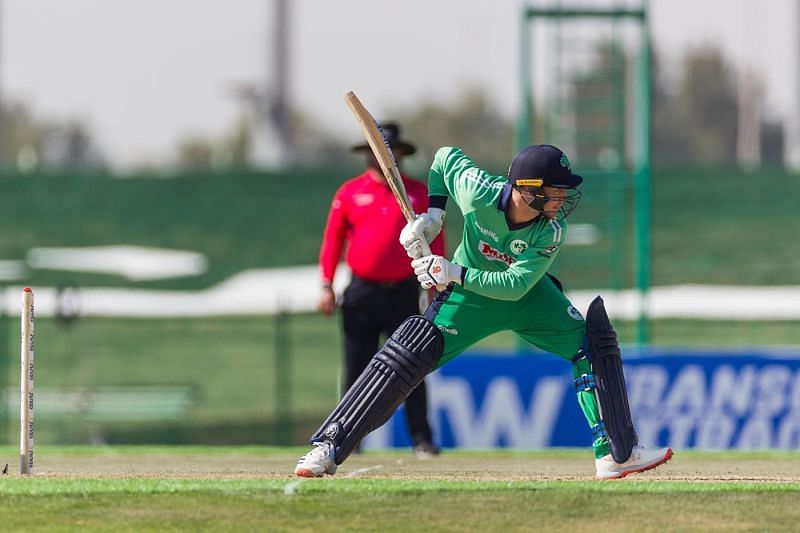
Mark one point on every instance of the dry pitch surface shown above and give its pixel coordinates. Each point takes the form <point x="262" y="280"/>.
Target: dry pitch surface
<point x="277" y="463"/>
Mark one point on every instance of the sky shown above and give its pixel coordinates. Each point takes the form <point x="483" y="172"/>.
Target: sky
<point x="144" y="75"/>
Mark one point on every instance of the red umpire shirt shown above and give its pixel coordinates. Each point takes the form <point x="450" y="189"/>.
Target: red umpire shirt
<point x="365" y="213"/>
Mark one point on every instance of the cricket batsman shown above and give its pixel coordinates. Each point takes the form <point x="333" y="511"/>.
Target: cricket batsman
<point x="514" y="227"/>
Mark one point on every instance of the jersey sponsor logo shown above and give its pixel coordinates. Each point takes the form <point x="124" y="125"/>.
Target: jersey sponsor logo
<point x="518" y="246"/>
<point x="574" y="313"/>
<point x="495" y="255"/>
<point x="486" y="232"/>
<point x="450" y="331"/>
<point x="363" y="199"/>
<point x="547" y="252"/>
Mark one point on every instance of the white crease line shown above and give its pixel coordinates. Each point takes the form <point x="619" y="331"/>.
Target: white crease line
<point x="360" y="471"/>
<point x="291" y="487"/>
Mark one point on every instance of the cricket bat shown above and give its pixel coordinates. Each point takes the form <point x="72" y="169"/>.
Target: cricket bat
<point x="380" y="148"/>
<point x="383" y="153"/>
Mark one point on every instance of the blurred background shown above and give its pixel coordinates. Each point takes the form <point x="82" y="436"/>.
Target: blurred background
<point x="166" y="174"/>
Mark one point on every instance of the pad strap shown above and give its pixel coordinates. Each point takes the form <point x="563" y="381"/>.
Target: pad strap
<point x="584" y="383"/>
<point x="598" y="430"/>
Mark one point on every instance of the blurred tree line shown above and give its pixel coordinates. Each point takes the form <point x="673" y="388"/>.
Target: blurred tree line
<point x="695" y="114"/>
<point x="695" y="117"/>
<point x="29" y="142"/>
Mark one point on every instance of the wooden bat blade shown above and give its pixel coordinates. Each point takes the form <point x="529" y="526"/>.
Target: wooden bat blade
<point x="383" y="153"/>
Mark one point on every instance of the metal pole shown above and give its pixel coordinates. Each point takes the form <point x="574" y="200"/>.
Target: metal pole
<point x="280" y="108"/>
<point x="791" y="146"/>
<point x="619" y="178"/>
<point x="642" y="182"/>
<point x="522" y="133"/>
<point x="3" y="135"/>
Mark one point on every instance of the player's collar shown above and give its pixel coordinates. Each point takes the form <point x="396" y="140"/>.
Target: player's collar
<point x="505" y="198"/>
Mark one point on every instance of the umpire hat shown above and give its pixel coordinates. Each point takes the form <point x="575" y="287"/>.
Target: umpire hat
<point x="391" y="131"/>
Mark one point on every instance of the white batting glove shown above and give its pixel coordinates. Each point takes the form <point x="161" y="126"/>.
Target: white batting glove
<point x="431" y="223"/>
<point x="433" y="270"/>
<point x="427" y="225"/>
<point x="411" y="239"/>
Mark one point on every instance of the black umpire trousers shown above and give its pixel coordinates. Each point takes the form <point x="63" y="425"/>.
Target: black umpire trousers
<point x="369" y="309"/>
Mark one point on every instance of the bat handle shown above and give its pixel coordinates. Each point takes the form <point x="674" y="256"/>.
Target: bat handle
<point x="426" y="249"/>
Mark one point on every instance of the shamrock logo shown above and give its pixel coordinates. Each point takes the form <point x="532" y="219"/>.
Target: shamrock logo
<point x="565" y="162"/>
<point x="518" y="246"/>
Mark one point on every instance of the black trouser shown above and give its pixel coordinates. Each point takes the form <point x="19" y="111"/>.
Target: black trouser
<point x="369" y="309"/>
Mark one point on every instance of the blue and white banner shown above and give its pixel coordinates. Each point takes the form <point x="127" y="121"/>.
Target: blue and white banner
<point x="683" y="399"/>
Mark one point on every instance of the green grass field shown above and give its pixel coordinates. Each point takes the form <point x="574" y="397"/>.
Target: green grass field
<point x="250" y="488"/>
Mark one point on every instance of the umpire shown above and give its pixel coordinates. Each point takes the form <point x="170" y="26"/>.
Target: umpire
<point x="383" y="291"/>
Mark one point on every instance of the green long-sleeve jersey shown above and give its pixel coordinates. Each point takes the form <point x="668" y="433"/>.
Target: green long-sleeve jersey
<point x="503" y="260"/>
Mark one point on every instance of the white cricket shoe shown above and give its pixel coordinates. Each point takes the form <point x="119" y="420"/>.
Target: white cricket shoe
<point x="317" y="462"/>
<point x="641" y="459"/>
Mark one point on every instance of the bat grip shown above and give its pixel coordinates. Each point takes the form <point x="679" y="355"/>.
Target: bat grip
<point x="426" y="249"/>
